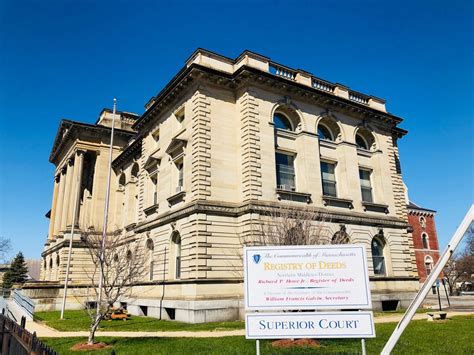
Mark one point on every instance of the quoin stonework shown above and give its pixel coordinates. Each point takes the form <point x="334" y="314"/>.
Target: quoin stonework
<point x="223" y="143"/>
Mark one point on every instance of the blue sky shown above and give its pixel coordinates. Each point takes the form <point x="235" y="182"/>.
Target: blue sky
<point x="68" y="59"/>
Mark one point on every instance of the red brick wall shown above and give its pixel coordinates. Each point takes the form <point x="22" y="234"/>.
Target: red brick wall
<point x="420" y="252"/>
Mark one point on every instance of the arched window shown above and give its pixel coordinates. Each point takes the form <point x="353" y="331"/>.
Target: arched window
<point x="378" y="259"/>
<point x="340" y="237"/>
<point x="328" y="129"/>
<point x="361" y="142"/>
<point x="134" y="172"/>
<point x="422" y="222"/>
<point x="364" y="139"/>
<point x="57" y="260"/>
<point x="324" y="133"/>
<point x="150" y="248"/>
<point x="51" y="262"/>
<point x="44" y="264"/>
<point x="424" y="240"/>
<point x="282" y="121"/>
<point x="428" y="264"/>
<point x="176" y="254"/>
<point x="122" y="182"/>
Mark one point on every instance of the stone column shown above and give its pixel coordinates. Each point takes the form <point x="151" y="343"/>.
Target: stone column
<point x="59" y="203"/>
<point x="75" y="188"/>
<point x="53" y="207"/>
<point x="67" y="194"/>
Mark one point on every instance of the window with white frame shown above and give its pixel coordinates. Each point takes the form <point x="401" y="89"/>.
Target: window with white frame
<point x="285" y="171"/>
<point x="428" y="264"/>
<point x="180" y="169"/>
<point x="378" y="259"/>
<point x="365" y="185"/>
<point x="150" y="248"/>
<point x="328" y="177"/>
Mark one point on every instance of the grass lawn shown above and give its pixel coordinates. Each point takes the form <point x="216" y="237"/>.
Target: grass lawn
<point x="453" y="336"/>
<point x="79" y="320"/>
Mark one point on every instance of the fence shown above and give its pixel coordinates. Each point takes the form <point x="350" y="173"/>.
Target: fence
<point x="16" y="340"/>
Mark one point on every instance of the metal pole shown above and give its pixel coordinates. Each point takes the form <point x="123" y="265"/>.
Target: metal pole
<point x="439" y="297"/>
<point x="70" y="242"/>
<point x="106" y="212"/>
<point x="455" y="240"/>
<point x="257" y="345"/>
<point x="362" y="341"/>
<point x="446" y="292"/>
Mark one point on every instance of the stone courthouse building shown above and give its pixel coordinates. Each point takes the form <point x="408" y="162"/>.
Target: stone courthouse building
<point x="224" y="142"/>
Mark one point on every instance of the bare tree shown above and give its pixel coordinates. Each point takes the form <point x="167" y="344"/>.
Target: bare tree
<point x="460" y="267"/>
<point x="289" y="225"/>
<point x="121" y="265"/>
<point x="5" y="246"/>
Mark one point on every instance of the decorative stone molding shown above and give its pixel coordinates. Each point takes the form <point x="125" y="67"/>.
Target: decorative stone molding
<point x="176" y="198"/>
<point x="337" y="202"/>
<point x="257" y="207"/>
<point x="375" y="207"/>
<point x="293" y="196"/>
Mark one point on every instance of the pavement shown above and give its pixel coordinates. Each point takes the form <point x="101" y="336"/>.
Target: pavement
<point x="43" y="331"/>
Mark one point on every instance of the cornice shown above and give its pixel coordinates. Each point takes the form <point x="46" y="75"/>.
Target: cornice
<point x="69" y="130"/>
<point x="247" y="75"/>
<point x="128" y="153"/>
<point x="260" y="207"/>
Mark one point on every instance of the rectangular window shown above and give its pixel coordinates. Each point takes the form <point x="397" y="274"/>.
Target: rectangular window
<point x="180" y="175"/>
<point x="285" y="171"/>
<point x="328" y="177"/>
<point x="365" y="185"/>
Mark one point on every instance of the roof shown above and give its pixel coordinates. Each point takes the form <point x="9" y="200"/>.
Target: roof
<point x="68" y="130"/>
<point x="413" y="206"/>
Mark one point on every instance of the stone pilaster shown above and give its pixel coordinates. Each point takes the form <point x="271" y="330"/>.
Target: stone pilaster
<point x="75" y="189"/>
<point x="59" y="203"/>
<point x="201" y="147"/>
<point x="53" y="207"/>
<point x="250" y="147"/>
<point x="67" y="194"/>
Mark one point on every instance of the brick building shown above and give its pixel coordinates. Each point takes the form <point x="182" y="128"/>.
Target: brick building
<point x="425" y="240"/>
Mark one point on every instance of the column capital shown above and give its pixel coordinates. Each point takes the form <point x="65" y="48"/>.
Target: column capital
<point x="57" y="177"/>
<point x="70" y="161"/>
<point x="63" y="170"/>
<point x="80" y="152"/>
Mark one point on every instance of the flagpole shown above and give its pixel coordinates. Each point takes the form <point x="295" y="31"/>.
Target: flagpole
<point x="106" y="212"/>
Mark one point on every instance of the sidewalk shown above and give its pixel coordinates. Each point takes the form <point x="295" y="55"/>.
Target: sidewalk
<point x="43" y="331"/>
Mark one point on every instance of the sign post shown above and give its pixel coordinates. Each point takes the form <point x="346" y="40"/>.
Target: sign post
<point x="309" y="278"/>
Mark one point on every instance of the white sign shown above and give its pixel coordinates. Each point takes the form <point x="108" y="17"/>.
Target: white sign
<point x="309" y="325"/>
<point x="306" y="277"/>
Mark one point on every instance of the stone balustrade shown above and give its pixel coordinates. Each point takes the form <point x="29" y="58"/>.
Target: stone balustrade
<point x="257" y="61"/>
